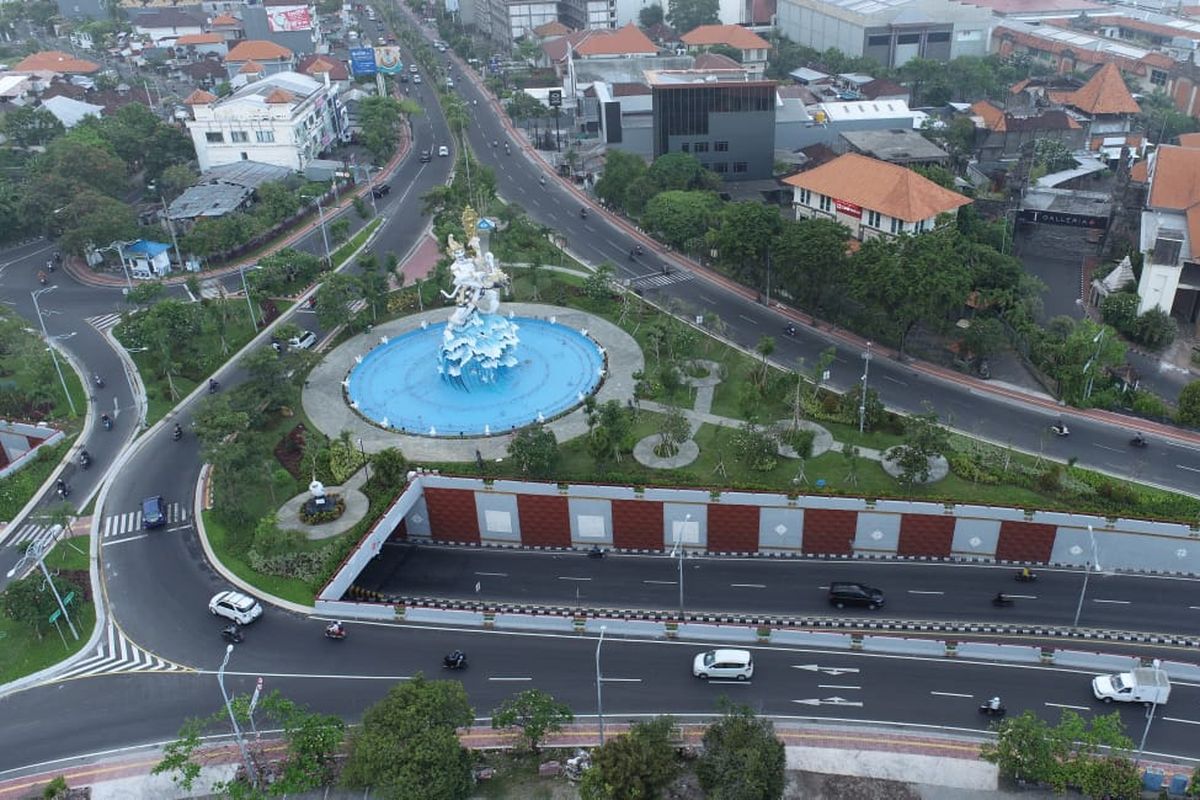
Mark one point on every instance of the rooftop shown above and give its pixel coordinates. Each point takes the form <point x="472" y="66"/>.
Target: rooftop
<point x="879" y="186"/>
<point x="733" y="35"/>
<point x="899" y="146"/>
<point x="1001" y="121"/>
<point x="199" y="38"/>
<point x="258" y="50"/>
<point x="225" y="21"/>
<point x="1034" y="7"/>
<point x="55" y="61"/>
<point x="199" y="97"/>
<point x="866" y="109"/>
<point x="1105" y="93"/>
<point x="715" y="61"/>
<point x="551" y="28"/>
<point x="318" y="64"/>
<point x="627" y="40"/>
<point x="70" y="112"/>
<point x="1085" y="47"/>
<point x="680" y="77"/>
<point x="280" y="88"/>
<point x="166" y="17"/>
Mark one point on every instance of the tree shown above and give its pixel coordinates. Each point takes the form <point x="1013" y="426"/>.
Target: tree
<point x="1189" y="405"/>
<point x="598" y="285"/>
<point x="985" y="337"/>
<point x="534" y="451"/>
<point x="373" y="284"/>
<point x="681" y="218"/>
<point x="523" y="105"/>
<point x="313" y="741"/>
<point x="389" y="467"/>
<point x="29" y="603"/>
<point x="650" y="16"/>
<point x="379" y="118"/>
<point x="756" y="448"/>
<point x="687" y="15"/>
<point x="764" y="348"/>
<point x="334" y="299"/>
<point x="1052" y="155"/>
<point x="924" y="439"/>
<point x="1076" y="352"/>
<point x="1161" y="121"/>
<point x="674" y="431"/>
<point x="216" y="419"/>
<point x="743" y="759"/>
<point x="407" y="748"/>
<point x="610" y="430"/>
<point x="810" y="261"/>
<point x="27" y="126"/>
<point x="535" y="712"/>
<point x="83" y="163"/>
<point x="743" y="240"/>
<point x="97" y="220"/>
<point x="621" y="171"/>
<point x="268" y="377"/>
<point x="637" y="766"/>
<point x="174" y="180"/>
<point x="683" y="172"/>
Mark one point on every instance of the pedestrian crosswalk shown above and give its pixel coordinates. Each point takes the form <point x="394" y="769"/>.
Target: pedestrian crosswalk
<point x="45" y="534"/>
<point x="104" y="322"/>
<point x="658" y="280"/>
<point x="117" y="654"/>
<point x="131" y="521"/>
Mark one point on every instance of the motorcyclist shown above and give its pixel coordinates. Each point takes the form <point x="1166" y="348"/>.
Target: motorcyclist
<point x="583" y="212"/>
<point x="506" y="148"/>
<point x="1139" y="440"/>
<point x="638" y="249"/>
<point x="336" y="629"/>
<point x="85" y="458"/>
<point x="60" y="486"/>
<point x="1060" y="428"/>
<point x="41" y="276"/>
<point x="1000" y="599"/>
<point x="456" y="658"/>
<point x="106" y="421"/>
<point x="98" y="380"/>
<point x="177" y="432"/>
<point x="790" y="329"/>
<point x="1026" y="573"/>
<point x="212" y="385"/>
<point x="993" y="704"/>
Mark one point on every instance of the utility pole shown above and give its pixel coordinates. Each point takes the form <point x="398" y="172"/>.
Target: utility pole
<point x="37" y="309"/>
<point x="862" y="399"/>
<point x="37" y="551"/>
<point x="171" y="230"/>
<point x="249" y="302"/>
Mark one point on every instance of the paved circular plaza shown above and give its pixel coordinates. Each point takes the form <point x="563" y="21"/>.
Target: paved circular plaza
<point x="325" y="402"/>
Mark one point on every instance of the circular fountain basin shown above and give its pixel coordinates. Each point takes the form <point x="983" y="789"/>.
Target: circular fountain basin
<point x="398" y="384"/>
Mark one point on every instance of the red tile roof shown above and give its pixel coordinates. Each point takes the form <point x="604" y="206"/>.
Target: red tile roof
<point x="250" y="68"/>
<point x="55" y="61"/>
<point x="1175" y="184"/>
<point x="879" y="186"/>
<point x="551" y="28"/>
<point x="258" y="50"/>
<point x="280" y="96"/>
<point x="715" y="61"/>
<point x="1039" y="43"/>
<point x="628" y="40"/>
<point x="200" y="98"/>
<point x="227" y="20"/>
<point x="199" y="38"/>
<point x="1105" y="93"/>
<point x="1189" y="139"/>
<point x="317" y="64"/>
<point x="733" y="35"/>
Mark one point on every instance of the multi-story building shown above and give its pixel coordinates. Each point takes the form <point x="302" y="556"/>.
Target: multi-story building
<point x="725" y="118"/>
<point x="286" y="119"/>
<point x="1170" y="232"/>
<point x="890" y="31"/>
<point x="291" y="24"/>
<point x="872" y="198"/>
<point x="164" y="25"/>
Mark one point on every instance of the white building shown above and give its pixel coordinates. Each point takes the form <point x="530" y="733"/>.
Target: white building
<point x="286" y="119"/>
<point x="890" y="31"/>
<point x="1170" y="230"/>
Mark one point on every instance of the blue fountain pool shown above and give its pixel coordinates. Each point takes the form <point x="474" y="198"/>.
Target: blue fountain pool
<point x="398" y="384"/>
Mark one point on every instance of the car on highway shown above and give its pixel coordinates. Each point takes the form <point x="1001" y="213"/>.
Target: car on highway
<point x="240" y="608"/>
<point x="723" y="663"/>
<point x="154" y="514"/>
<point x="425" y="156"/>
<point x="381" y="189"/>
<point x="846" y="593"/>
<point x="302" y="342"/>
<point x="449" y="83"/>
<point x="404" y="77"/>
<point x="412" y="68"/>
<point x="443" y="150"/>
<point x="416" y="78"/>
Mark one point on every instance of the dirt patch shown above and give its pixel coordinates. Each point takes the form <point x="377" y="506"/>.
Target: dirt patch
<point x="818" y="786"/>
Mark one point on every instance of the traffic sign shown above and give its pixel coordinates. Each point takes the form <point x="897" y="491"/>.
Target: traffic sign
<point x="555" y="98"/>
<point x="55" y="615"/>
<point x="67" y="600"/>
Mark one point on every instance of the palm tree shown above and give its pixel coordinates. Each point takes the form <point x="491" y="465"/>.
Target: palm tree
<point x="765" y="347"/>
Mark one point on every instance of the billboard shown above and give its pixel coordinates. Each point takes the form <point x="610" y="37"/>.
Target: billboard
<point x="848" y="208"/>
<point x="362" y="61"/>
<point x="281" y="19"/>
<point x="387" y="59"/>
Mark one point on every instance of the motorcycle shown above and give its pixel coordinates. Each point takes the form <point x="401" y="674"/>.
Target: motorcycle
<point x="98" y="381"/>
<point x="50" y="265"/>
<point x="85" y="460"/>
<point x="596" y="552"/>
<point x="507" y="150"/>
<point x="41" y="277"/>
<point x="232" y="634"/>
<point x="1059" y="429"/>
<point x="335" y="632"/>
<point x="177" y="433"/>
<point x="637" y="248"/>
<point x="1002" y="601"/>
<point x="213" y="386"/>
<point x="993" y="710"/>
<point x="455" y="660"/>
<point x="62" y="489"/>
<point x="789" y="329"/>
<point x="1138" y="441"/>
<point x="1026" y="577"/>
<point x="106" y="421"/>
<point x="583" y="212"/>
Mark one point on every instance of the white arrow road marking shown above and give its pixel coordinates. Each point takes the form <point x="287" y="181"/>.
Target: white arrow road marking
<point x="829" y="701"/>
<point x="835" y="671"/>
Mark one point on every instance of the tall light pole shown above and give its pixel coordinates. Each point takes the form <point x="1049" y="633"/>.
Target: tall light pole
<point x="37" y="309"/>
<point x="599" y="683"/>
<point x="237" y="731"/>
<point x="1090" y="366"/>
<point x="1094" y="562"/>
<point x="249" y="302"/>
<point x="862" y="398"/>
<point x="366" y="461"/>
<point x="366" y="168"/>
<point x="678" y="550"/>
<point x="324" y="236"/>
<point x="36" y="552"/>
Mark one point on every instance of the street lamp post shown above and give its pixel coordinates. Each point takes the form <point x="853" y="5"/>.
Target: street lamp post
<point x="678" y="550"/>
<point x="366" y="461"/>
<point x="37" y="551"/>
<point x="249" y="302"/>
<point x="237" y="731"/>
<point x="366" y="168"/>
<point x="1094" y="562"/>
<point x="324" y="236"/>
<point x="599" y="683"/>
<point x="862" y="399"/>
<point x="37" y="309"/>
<point x="1090" y="366"/>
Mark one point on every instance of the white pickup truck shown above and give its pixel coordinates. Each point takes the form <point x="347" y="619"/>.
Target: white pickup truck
<point x="1145" y="685"/>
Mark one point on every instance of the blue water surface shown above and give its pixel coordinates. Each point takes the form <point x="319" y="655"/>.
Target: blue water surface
<point x="399" y="382"/>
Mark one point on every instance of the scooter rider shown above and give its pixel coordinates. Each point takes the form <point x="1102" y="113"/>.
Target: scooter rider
<point x="1026" y="573"/>
<point x="106" y="421"/>
<point x="177" y="432"/>
<point x="993" y="704"/>
<point x="336" y="629"/>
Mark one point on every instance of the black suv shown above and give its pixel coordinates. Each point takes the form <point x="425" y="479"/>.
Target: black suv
<point x="843" y="594"/>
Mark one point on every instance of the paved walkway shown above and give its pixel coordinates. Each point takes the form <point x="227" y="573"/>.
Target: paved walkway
<point x="357" y="506"/>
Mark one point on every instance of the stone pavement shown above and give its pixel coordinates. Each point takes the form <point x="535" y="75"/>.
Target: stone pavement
<point x="357" y="506"/>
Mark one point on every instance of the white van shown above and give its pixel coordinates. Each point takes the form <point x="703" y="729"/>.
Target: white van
<point x="724" y="663"/>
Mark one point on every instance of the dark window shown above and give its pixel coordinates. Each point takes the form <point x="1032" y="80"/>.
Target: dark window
<point x="684" y="110"/>
<point x="214" y="137"/>
<point x="700" y="147"/>
<point x="721" y="147"/>
<point x="879" y="41"/>
<point x="908" y="38"/>
<point x="1166" y="251"/>
<point x="938" y="38"/>
<point x="740" y="166"/>
<point x="721" y="167"/>
<point x="685" y="148"/>
<point x="1158" y="77"/>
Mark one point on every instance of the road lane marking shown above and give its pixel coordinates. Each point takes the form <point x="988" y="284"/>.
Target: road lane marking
<point x="922" y="591"/>
<point x="569" y="578"/>
<point x="748" y="585"/>
<point x="747" y="319"/>
<point x="952" y="694"/>
<point x="894" y="380"/>
<point x="621" y="680"/>
<point x="1067" y="705"/>
<point x="1106" y="447"/>
<point x="493" y="574"/>
<point x="1194" y="608"/>
<point x="1022" y="596"/>
<point x="126" y="539"/>
<point x="834" y="671"/>
<point x="1112" y="602"/>
<point x="729" y="683"/>
<point x="1184" y="721"/>
<point x="1189" y="469"/>
<point x="661" y="583"/>
<point x="499" y="678"/>
<point x="707" y="299"/>
<point x="836" y="686"/>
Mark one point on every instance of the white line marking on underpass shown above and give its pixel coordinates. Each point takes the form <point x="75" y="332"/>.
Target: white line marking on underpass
<point x="952" y="694"/>
<point x="1184" y="721"/>
<point x="493" y="574"/>
<point x="748" y="585"/>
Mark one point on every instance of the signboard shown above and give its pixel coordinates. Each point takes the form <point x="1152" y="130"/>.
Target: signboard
<point x="285" y="19"/>
<point x="849" y="209"/>
<point x="387" y="59"/>
<point x="1063" y="218"/>
<point x="362" y="61"/>
<point x="554" y="99"/>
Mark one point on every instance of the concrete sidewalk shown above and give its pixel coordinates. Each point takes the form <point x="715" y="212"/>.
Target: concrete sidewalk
<point x="942" y="766"/>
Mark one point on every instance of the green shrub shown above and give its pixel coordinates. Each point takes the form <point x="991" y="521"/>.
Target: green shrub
<point x="1149" y="405"/>
<point x="306" y="565"/>
<point x="344" y="460"/>
<point x="799" y="439"/>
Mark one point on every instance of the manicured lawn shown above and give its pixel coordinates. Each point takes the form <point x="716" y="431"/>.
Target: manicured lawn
<point x="17" y="488"/>
<point x="291" y="589"/>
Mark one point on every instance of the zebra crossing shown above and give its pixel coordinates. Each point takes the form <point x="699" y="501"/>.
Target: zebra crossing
<point x="657" y="280"/>
<point x="116" y="654"/>
<point x="104" y="322"/>
<point x="44" y="534"/>
<point x="131" y="521"/>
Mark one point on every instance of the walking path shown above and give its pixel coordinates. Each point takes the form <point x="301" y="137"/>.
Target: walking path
<point x="357" y="506"/>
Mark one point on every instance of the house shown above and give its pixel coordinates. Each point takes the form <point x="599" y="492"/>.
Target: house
<point x="871" y="197"/>
<point x="223" y="190"/>
<point x="194" y="46"/>
<point x="1002" y="134"/>
<point x="267" y="58"/>
<point x="1170" y="234"/>
<point x="754" y="48"/>
<point x="163" y="26"/>
<point x="229" y="26"/>
<point x="55" y="62"/>
<point x="891" y="33"/>
<point x="550" y="30"/>
<point x="902" y="146"/>
<point x="326" y="69"/>
<point x="1105" y="107"/>
<point x="71" y="112"/>
<point x="146" y="260"/>
<point x="623" y="43"/>
<point x="286" y="119"/>
<point x="725" y="118"/>
<point x="291" y="24"/>
<point x="622" y="113"/>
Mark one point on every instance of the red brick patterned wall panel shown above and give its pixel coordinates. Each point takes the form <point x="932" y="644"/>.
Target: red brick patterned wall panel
<point x="545" y="521"/>
<point x="400" y="532"/>
<point x="1025" y="541"/>
<point x="637" y="524"/>
<point x="828" y="530"/>
<point x="452" y="516"/>
<point x="926" y="535"/>
<point x="732" y="528"/>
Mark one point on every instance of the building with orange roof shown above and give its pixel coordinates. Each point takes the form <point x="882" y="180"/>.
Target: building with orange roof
<point x="1170" y="235"/>
<point x="269" y="58"/>
<point x="872" y="198"/>
<point x="1077" y="51"/>
<point x="891" y="32"/>
<point x="202" y="44"/>
<point x="229" y="26"/>
<point x="753" y="48"/>
<point x="325" y="68"/>
<point x="1004" y="134"/>
<point x="286" y="119"/>
<point x="57" y="63"/>
<point x="164" y="25"/>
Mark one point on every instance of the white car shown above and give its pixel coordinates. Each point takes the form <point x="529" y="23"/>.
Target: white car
<point x="241" y="608"/>
<point x="723" y="663"/>
<point x="443" y="151"/>
<point x="302" y="342"/>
